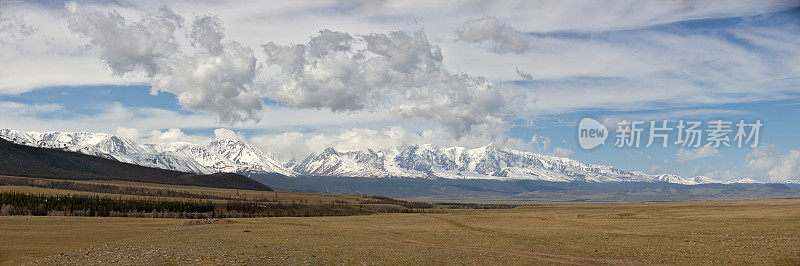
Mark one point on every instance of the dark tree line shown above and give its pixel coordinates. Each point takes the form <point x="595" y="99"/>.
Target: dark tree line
<point x="404" y="203"/>
<point x="13" y="203"/>
<point x="110" y="189"/>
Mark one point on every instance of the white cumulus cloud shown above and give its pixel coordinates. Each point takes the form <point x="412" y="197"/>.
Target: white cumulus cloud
<point x="400" y="71"/>
<point x="174" y="135"/>
<point x="220" y="84"/>
<point x="128" y="133"/>
<point x="127" y="46"/>
<point x="684" y="155"/>
<point x="216" y="78"/>
<point x="207" y="32"/>
<point x="224" y="133"/>
<point x="765" y="161"/>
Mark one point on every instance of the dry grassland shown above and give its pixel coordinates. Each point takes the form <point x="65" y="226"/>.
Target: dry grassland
<point x="752" y="232"/>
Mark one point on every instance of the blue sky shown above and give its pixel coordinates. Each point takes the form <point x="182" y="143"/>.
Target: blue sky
<point x="780" y="129"/>
<point x="453" y="78"/>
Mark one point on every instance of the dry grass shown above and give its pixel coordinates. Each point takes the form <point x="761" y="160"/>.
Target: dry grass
<point x="749" y="232"/>
<point x="250" y="194"/>
<point x="207" y="221"/>
<point x="26" y="238"/>
<point x="285" y="197"/>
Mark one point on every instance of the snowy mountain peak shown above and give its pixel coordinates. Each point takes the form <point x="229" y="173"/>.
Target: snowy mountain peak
<point x="329" y="152"/>
<point x="246" y="158"/>
<point x="350" y="163"/>
<point x="703" y="180"/>
<point x="741" y="181"/>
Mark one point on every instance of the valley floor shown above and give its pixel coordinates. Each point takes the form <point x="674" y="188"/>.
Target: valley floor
<point x="752" y="232"/>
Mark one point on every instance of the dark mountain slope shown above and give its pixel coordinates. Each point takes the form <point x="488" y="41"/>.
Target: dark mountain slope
<point x="20" y="160"/>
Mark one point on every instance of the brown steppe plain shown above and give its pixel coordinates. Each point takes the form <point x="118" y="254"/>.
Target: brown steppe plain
<point x="737" y="232"/>
<point x="700" y="232"/>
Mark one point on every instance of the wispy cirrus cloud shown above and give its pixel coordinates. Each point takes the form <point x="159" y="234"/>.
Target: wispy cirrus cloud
<point x="488" y="29"/>
<point x="13" y="29"/>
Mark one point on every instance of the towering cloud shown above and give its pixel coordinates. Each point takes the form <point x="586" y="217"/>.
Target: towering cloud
<point x="400" y="70"/>
<point x="504" y="38"/>
<point x="216" y="78"/>
<point x="127" y="46"/>
<point x="207" y="33"/>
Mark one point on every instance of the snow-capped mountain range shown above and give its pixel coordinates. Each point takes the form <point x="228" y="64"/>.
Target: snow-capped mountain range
<point x="420" y="161"/>
<point x="217" y="156"/>
<point x="488" y="162"/>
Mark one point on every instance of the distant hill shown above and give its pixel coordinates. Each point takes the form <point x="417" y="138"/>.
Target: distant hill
<point x="21" y="160"/>
<point x="447" y="189"/>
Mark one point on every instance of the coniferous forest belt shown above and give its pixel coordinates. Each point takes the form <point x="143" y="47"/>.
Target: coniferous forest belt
<point x="14" y="203"/>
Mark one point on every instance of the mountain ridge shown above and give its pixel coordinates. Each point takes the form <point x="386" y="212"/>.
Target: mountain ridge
<point x="417" y="161"/>
<point x="28" y="161"/>
<point x="219" y="156"/>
